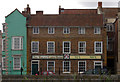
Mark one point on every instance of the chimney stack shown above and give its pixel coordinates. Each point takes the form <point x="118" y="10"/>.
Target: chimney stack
<point x="100" y="4"/>
<point x="28" y="9"/>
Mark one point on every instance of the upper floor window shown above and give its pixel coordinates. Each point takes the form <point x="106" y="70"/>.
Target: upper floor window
<point x="35" y="46"/>
<point x="81" y="30"/>
<point x="3" y="45"/>
<point x="97" y="30"/>
<point x="16" y="63"/>
<point x="98" y="47"/>
<point x="110" y="27"/>
<point x="66" y="47"/>
<point x="66" y="30"/>
<point x="50" y="47"/>
<point x="17" y="43"/>
<point x="82" y="47"/>
<point x="4" y="27"/>
<point x="51" y="30"/>
<point x="35" y="30"/>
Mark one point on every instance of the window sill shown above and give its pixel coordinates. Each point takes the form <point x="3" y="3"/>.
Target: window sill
<point x="16" y="69"/>
<point x="16" y="49"/>
<point x="34" y="52"/>
<point x="66" y="72"/>
<point x="99" y="53"/>
<point x="35" y="33"/>
<point x="81" y="52"/>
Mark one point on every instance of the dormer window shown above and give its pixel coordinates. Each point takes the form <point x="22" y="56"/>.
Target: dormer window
<point x="110" y="27"/>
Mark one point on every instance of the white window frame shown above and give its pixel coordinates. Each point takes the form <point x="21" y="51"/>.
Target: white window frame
<point x="81" y="30"/>
<point x="32" y="47"/>
<point x="100" y="62"/>
<point x="34" y="28"/>
<point x="69" y="47"/>
<point x="51" y="30"/>
<point x="3" y="67"/>
<point x="69" y="66"/>
<point x="34" y="63"/>
<point x="109" y="28"/>
<point x="79" y="46"/>
<point x="2" y="44"/>
<point x="54" y="65"/>
<point x="66" y="30"/>
<point x="95" y="47"/>
<point x="78" y="66"/>
<point x="20" y="42"/>
<point x="53" y="47"/>
<point x="20" y="63"/>
<point x="98" y="30"/>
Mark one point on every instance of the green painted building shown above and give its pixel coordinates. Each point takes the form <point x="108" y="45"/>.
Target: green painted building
<point x="14" y="40"/>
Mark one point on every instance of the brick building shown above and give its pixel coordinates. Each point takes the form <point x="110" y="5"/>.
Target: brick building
<point x="65" y="43"/>
<point x="110" y="22"/>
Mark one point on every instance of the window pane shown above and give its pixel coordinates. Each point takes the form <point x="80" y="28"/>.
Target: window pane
<point x="66" y="66"/>
<point x="51" y="47"/>
<point x="51" y="66"/>
<point x="66" y="47"/>
<point x="82" y="66"/>
<point x="35" y="46"/>
<point x="17" y="63"/>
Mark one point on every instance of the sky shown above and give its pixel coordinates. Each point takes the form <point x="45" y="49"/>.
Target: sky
<point x="49" y="6"/>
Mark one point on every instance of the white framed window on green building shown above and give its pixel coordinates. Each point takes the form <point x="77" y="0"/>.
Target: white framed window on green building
<point x="16" y="62"/>
<point x="17" y="43"/>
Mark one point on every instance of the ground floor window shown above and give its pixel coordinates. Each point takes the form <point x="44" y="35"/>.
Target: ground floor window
<point x="51" y="66"/>
<point x="81" y="66"/>
<point x="16" y="63"/>
<point x="98" y="65"/>
<point x="3" y="63"/>
<point x="66" y="66"/>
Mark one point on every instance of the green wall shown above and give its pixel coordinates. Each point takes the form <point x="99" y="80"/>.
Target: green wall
<point x="16" y="27"/>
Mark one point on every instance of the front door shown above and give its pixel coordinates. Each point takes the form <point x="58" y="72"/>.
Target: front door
<point x="34" y="67"/>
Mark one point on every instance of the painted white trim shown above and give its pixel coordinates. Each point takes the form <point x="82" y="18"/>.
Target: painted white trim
<point x="21" y="39"/>
<point x="54" y="65"/>
<point x="100" y="62"/>
<point x="20" y="63"/>
<point x="38" y="47"/>
<point x="3" y="67"/>
<point x="2" y="44"/>
<point x="79" y="47"/>
<point x="65" y="29"/>
<point x="69" y="66"/>
<point x="98" y="28"/>
<point x="95" y="47"/>
<point x="82" y="29"/>
<point x="49" y="29"/>
<point x="38" y="30"/>
<point x="35" y="63"/>
<point x="78" y="66"/>
<point x="54" y="47"/>
<point x="69" y="47"/>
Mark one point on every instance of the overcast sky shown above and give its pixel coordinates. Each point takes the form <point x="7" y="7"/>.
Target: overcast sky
<point x="49" y="6"/>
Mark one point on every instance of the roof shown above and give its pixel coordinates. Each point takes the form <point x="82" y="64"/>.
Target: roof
<point x="78" y="11"/>
<point x="66" y="20"/>
<point x="12" y="12"/>
<point x="110" y="12"/>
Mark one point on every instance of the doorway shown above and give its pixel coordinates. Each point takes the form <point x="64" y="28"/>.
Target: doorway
<point x="35" y="67"/>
